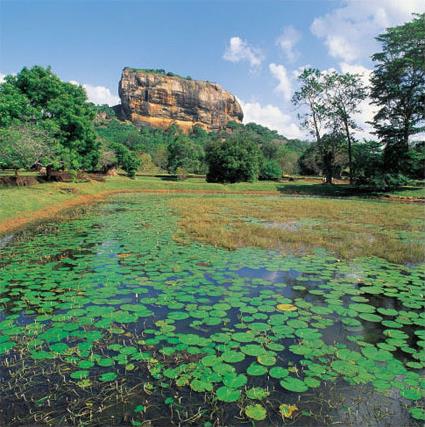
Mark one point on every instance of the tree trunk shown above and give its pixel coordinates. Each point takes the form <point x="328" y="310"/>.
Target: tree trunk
<point x="16" y="173"/>
<point x="328" y="162"/>
<point x="49" y="172"/>
<point x="350" y="154"/>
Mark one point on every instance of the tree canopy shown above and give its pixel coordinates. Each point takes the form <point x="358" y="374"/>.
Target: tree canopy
<point x="37" y="96"/>
<point x="398" y="89"/>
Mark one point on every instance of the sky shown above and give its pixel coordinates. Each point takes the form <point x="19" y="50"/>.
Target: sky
<point x="253" y="48"/>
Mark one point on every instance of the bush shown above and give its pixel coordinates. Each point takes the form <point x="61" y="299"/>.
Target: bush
<point x="387" y="181"/>
<point x="233" y="160"/>
<point x="270" y="170"/>
<point x="23" y="145"/>
<point x="181" y="174"/>
<point x="183" y="153"/>
<point x="126" y="159"/>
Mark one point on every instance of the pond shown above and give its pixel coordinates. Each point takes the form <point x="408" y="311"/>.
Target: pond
<point x="106" y="320"/>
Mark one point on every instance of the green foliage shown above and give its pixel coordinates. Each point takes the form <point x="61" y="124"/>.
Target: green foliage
<point x="387" y="181"/>
<point x="343" y="92"/>
<point x="398" y="88"/>
<point x="160" y="71"/>
<point x="23" y="145"/>
<point x="326" y="157"/>
<point x="122" y="133"/>
<point x="367" y="161"/>
<point x="270" y="170"/>
<point x="310" y="97"/>
<point x="126" y="159"/>
<point x="15" y="107"/>
<point x="170" y="149"/>
<point x="38" y="96"/>
<point x="416" y="160"/>
<point x="235" y="159"/>
<point x="273" y="146"/>
<point x="105" y="109"/>
<point x="185" y="154"/>
<point x="329" y="101"/>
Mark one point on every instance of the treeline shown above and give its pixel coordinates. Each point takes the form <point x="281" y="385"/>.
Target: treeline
<point x="329" y="102"/>
<point x="249" y="152"/>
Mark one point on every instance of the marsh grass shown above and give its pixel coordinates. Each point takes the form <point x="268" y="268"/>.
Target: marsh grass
<point x="347" y="228"/>
<point x="21" y="205"/>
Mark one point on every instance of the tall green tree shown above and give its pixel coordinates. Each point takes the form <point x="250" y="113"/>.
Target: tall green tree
<point x="36" y="95"/>
<point x="311" y="97"/>
<point x="344" y="93"/>
<point x="398" y="88"/>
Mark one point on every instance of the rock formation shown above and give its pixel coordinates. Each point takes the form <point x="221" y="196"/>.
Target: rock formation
<point x="159" y="99"/>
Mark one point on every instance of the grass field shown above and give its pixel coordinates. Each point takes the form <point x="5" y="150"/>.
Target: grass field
<point x="21" y="205"/>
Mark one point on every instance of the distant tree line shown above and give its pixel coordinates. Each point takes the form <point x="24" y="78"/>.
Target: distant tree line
<point x="264" y="152"/>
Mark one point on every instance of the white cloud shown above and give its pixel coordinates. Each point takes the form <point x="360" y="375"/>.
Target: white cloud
<point x="99" y="94"/>
<point x="239" y="50"/>
<point x="349" y="31"/>
<point x="272" y="117"/>
<point x="2" y="76"/>
<point x="287" y="42"/>
<point x="285" y="85"/>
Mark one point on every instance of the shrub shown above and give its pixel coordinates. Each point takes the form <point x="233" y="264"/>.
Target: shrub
<point x="126" y="159"/>
<point x="270" y="170"/>
<point x="183" y="153"/>
<point x="181" y="174"/>
<point x="233" y="160"/>
<point x="387" y="181"/>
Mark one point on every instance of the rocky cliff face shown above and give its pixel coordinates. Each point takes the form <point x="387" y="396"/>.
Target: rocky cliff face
<point x="159" y="100"/>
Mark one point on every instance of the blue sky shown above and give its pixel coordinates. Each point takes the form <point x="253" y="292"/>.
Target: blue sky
<point x="252" y="48"/>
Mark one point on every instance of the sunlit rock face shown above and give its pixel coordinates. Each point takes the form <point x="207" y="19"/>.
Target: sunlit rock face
<point x="159" y="100"/>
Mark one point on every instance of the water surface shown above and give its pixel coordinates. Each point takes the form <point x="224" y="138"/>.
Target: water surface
<point x="105" y="319"/>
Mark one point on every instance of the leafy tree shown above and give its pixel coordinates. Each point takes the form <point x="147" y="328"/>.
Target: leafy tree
<point x="310" y="95"/>
<point x="327" y="158"/>
<point x="398" y="88"/>
<point x="38" y="96"/>
<point x="367" y="161"/>
<point x="416" y="160"/>
<point x="233" y="159"/>
<point x="344" y="92"/>
<point x="270" y="170"/>
<point x="184" y="154"/>
<point x="126" y="159"/>
<point x="15" y="107"/>
<point x="23" y="145"/>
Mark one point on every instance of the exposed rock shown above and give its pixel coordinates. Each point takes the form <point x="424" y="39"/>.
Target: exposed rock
<point x="159" y="100"/>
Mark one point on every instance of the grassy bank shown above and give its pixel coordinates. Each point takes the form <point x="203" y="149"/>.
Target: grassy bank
<point x="21" y="205"/>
